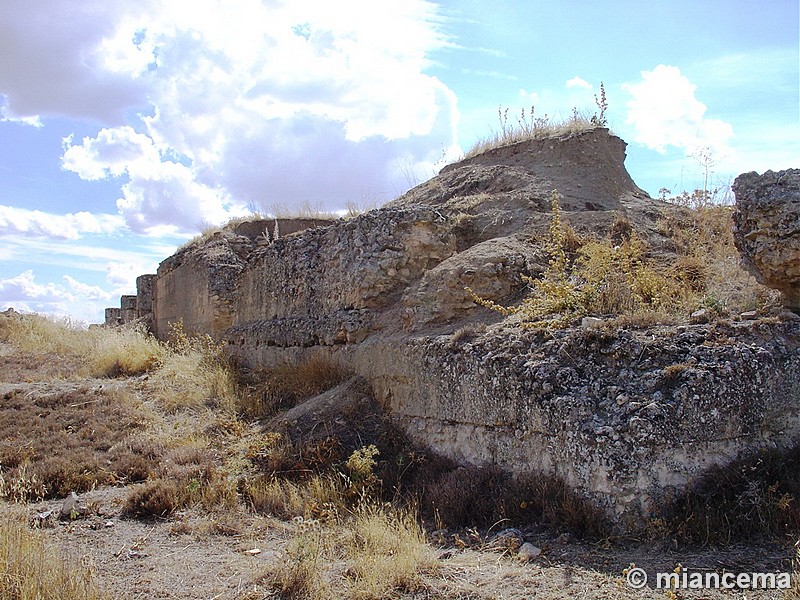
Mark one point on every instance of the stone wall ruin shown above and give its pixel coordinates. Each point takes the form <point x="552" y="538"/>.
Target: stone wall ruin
<point x="628" y="418"/>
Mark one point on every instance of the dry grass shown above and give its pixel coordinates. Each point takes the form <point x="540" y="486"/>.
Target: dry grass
<point x="756" y="496"/>
<point x="66" y="440"/>
<point x="317" y="497"/>
<point x="376" y="552"/>
<point x="386" y="551"/>
<point x="708" y="261"/>
<point x="619" y="276"/>
<point x="266" y="392"/>
<point x="529" y="126"/>
<point x="31" y="570"/>
<point x="92" y="352"/>
<point x="194" y="380"/>
<point x="483" y="496"/>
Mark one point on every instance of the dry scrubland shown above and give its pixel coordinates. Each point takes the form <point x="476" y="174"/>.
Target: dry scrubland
<point x="189" y="491"/>
<point x="167" y="440"/>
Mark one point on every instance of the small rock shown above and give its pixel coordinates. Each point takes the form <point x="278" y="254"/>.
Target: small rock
<point x="253" y="551"/>
<point x="749" y="315"/>
<point x="72" y="507"/>
<point x="42" y="517"/>
<point x="587" y="322"/>
<point x="699" y="316"/>
<point x="528" y="552"/>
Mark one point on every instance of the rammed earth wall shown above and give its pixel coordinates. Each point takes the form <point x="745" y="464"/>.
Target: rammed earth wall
<point x="627" y="417"/>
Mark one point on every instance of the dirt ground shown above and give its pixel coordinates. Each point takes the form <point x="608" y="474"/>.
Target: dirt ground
<point x="195" y="554"/>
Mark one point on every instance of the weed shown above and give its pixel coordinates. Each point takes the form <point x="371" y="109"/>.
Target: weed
<point x="319" y="496"/>
<point x="194" y="373"/>
<point x="385" y="551"/>
<point x="482" y="496"/>
<point x="708" y="261"/>
<point x="530" y="126"/>
<point x="155" y="498"/>
<point x="266" y="392"/>
<point x="372" y="554"/>
<point x="603" y="277"/>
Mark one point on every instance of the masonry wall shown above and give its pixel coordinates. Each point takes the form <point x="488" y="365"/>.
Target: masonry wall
<point x="627" y="417"/>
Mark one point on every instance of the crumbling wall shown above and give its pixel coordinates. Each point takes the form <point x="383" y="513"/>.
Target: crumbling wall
<point x="627" y="417"/>
<point x="326" y="285"/>
<point x="199" y="284"/>
<point x="113" y="317"/>
<point x="145" y="287"/>
<point x="767" y="231"/>
<point x="127" y="306"/>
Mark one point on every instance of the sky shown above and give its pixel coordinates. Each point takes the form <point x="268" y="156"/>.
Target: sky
<point x="127" y="128"/>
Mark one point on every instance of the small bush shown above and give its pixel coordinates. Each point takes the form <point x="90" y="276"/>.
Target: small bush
<point x="600" y="277"/>
<point x="708" y="261"/>
<point x="155" y="498"/>
<point x="755" y="497"/>
<point x="483" y="496"/>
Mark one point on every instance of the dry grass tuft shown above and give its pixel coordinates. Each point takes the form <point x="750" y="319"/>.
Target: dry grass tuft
<point x="94" y="352"/>
<point x="377" y="552"/>
<point x="31" y="570"/>
<point x="532" y="127"/>
<point x="193" y="373"/>
<point x="386" y="552"/>
<point x="318" y="497"/>
<point x="264" y="393"/>
<point x="708" y="261"/>
<point x="125" y="351"/>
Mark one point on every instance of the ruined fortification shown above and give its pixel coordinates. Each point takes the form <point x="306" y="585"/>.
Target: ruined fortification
<point x="627" y="417"/>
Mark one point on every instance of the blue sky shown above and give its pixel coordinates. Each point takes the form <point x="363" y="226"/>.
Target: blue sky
<point x="125" y="129"/>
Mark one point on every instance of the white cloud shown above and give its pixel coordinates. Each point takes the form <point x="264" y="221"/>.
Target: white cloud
<point x="158" y="192"/>
<point x="664" y="111"/>
<point x="73" y="297"/>
<point x="53" y="61"/>
<point x="89" y="292"/>
<point x="112" y="152"/>
<point x="579" y="83"/>
<point x="251" y="102"/>
<point x="71" y="226"/>
<point x="23" y="287"/>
